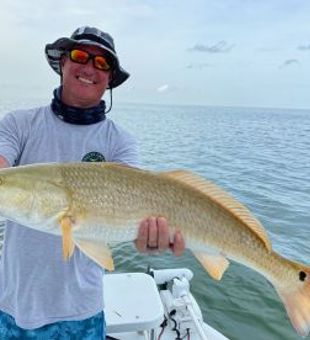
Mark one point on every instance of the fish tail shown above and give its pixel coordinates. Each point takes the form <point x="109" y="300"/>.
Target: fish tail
<point x="296" y="296"/>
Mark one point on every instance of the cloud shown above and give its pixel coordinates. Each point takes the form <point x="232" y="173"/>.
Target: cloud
<point x="163" y="88"/>
<point x="269" y="49"/>
<point x="220" y="47"/>
<point x="290" y="62"/>
<point x="304" y="47"/>
<point x="198" y="66"/>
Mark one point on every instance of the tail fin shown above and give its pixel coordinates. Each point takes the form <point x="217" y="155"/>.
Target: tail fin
<point x="296" y="297"/>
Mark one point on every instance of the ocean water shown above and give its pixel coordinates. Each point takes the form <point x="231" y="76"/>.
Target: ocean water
<point x="260" y="156"/>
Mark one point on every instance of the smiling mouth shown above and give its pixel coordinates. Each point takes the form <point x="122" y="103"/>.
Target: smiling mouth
<point x="85" y="80"/>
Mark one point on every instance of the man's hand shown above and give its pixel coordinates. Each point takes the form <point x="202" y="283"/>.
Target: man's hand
<point x="153" y="236"/>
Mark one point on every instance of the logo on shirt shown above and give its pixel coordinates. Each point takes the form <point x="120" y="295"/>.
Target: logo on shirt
<point x="93" y="156"/>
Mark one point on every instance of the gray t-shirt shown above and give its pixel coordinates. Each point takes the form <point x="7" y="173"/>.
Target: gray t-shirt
<point x="36" y="286"/>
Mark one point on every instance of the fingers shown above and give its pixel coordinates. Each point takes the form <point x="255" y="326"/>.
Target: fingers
<point x="142" y="238"/>
<point x="163" y="234"/>
<point x="153" y="236"/>
<point x="178" y="245"/>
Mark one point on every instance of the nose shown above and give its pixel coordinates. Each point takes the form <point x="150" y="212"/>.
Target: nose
<point x="89" y="66"/>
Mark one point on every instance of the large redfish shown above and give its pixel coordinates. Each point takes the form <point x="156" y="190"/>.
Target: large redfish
<point x="94" y="204"/>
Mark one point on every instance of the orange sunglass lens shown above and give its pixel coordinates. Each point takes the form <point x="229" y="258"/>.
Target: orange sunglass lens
<point x="79" y="56"/>
<point x="82" y="57"/>
<point x="101" y="63"/>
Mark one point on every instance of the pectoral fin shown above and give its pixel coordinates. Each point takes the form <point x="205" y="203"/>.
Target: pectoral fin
<point x="67" y="242"/>
<point x="98" y="252"/>
<point x="215" y="265"/>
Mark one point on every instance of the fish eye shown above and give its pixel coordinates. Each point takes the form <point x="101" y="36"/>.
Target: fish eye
<point x="302" y="276"/>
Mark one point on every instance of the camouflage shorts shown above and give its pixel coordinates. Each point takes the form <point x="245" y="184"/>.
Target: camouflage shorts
<point x="89" y="329"/>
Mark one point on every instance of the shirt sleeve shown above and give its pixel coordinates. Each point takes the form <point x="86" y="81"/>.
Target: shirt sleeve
<point x="11" y="139"/>
<point x="127" y="153"/>
<point x="124" y="148"/>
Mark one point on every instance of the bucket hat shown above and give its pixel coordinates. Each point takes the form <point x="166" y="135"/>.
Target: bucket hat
<point x="86" y="36"/>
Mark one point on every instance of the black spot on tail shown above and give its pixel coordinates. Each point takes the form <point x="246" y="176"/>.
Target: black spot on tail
<point x="302" y="276"/>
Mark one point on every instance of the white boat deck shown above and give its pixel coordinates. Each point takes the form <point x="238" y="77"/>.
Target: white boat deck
<point x="132" y="304"/>
<point x="135" y="309"/>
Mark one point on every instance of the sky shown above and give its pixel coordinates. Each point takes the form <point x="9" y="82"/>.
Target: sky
<point x="252" y="53"/>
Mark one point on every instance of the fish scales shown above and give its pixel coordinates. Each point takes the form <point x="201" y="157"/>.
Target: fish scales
<point x="113" y="194"/>
<point x="139" y="194"/>
<point x="92" y="204"/>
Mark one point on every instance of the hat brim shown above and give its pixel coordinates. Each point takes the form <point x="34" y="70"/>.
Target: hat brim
<point x="55" y="51"/>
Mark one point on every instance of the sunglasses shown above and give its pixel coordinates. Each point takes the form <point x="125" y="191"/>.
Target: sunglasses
<point x="100" y="62"/>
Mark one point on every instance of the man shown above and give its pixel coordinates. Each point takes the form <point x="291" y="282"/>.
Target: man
<point x="41" y="296"/>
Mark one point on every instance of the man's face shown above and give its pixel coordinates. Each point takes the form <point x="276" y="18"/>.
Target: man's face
<point x="83" y="85"/>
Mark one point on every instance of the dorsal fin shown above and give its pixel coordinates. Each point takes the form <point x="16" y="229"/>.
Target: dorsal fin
<point x="223" y="199"/>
